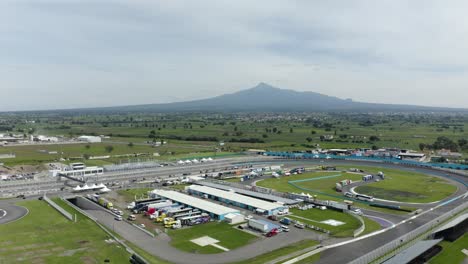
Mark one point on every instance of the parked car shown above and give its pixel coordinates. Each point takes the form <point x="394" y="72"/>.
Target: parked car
<point x="299" y="225"/>
<point x="118" y="218"/>
<point x="132" y="217"/>
<point x="356" y="211"/>
<point x="285" y="228"/>
<point x="272" y="232"/>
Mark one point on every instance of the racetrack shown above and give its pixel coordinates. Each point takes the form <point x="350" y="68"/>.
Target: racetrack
<point x="10" y="212"/>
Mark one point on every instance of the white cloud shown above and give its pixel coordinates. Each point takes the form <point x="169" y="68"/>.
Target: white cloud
<point x="130" y="52"/>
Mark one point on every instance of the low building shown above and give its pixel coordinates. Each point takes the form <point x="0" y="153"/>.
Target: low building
<point x="259" y="195"/>
<point x="242" y="201"/>
<point x="446" y="153"/>
<point x="256" y="151"/>
<point x="90" y="139"/>
<point x="215" y="211"/>
<point x="77" y="170"/>
<point x="42" y="138"/>
<point x="411" y="155"/>
<point x="234" y="218"/>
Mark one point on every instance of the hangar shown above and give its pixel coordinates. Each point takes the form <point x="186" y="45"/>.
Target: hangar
<point x="216" y="211"/>
<point x="242" y="201"/>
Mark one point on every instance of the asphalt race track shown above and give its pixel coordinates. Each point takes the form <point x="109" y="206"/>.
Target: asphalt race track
<point x="10" y="212"/>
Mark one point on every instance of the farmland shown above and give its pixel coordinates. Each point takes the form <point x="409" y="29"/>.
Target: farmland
<point x="196" y="134"/>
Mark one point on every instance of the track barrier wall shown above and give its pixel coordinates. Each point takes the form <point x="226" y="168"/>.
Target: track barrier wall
<point x="58" y="208"/>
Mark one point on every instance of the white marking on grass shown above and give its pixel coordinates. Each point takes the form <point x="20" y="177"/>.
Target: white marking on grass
<point x="220" y="247"/>
<point x="332" y="222"/>
<point x="208" y="241"/>
<point x="204" y="241"/>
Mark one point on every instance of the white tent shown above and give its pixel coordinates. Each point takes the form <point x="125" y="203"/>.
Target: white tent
<point x="209" y="159"/>
<point x="104" y="190"/>
<point x="195" y="161"/>
<point x="188" y="162"/>
<point x="180" y="162"/>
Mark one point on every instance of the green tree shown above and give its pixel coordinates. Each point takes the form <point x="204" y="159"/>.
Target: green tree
<point x="109" y="148"/>
<point x="130" y="144"/>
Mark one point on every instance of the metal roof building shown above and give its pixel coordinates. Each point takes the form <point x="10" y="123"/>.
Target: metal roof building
<point x="239" y="200"/>
<point x="412" y="252"/>
<point x="263" y="196"/>
<point x="215" y="210"/>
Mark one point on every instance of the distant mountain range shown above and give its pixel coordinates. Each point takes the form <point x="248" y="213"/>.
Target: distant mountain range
<point x="266" y="98"/>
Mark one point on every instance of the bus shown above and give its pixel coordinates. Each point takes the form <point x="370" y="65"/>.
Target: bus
<point x="364" y="197"/>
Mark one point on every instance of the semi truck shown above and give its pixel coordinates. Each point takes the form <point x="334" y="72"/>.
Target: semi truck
<point x="105" y="203"/>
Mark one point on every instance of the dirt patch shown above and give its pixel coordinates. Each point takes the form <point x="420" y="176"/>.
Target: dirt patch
<point x="71" y="252"/>
<point x="83" y="242"/>
<point x="88" y="260"/>
<point x="26" y="247"/>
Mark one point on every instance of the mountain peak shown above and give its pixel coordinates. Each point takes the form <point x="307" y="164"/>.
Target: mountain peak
<point x="264" y="86"/>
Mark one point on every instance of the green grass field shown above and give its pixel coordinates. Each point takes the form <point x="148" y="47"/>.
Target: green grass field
<point x="228" y="236"/>
<point x="406" y="186"/>
<point x="326" y="185"/>
<point x="45" y="236"/>
<point x="315" y="216"/>
<point x="264" y="258"/>
<point x="398" y="185"/>
<point x="310" y="260"/>
<point x="451" y="252"/>
<point x="371" y="226"/>
<point x="130" y="194"/>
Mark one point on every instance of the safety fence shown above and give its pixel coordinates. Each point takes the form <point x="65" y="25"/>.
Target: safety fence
<point x="58" y="208"/>
<point x="454" y="166"/>
<point x="392" y="248"/>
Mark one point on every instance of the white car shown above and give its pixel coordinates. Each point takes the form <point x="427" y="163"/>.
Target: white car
<point x="357" y="211"/>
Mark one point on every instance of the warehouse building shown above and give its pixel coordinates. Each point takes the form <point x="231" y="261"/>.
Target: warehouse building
<point x="242" y="201"/>
<point x="258" y="195"/>
<point x="215" y="211"/>
<point x="90" y="139"/>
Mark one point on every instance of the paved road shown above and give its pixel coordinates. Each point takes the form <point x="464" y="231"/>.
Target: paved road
<point x="34" y="187"/>
<point x="10" y="212"/>
<point x="159" y="246"/>
<point x="349" y="252"/>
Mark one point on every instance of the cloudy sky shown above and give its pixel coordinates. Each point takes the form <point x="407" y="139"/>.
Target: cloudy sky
<point x="67" y="53"/>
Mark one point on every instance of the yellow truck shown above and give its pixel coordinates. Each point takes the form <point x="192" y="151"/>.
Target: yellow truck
<point x="160" y="218"/>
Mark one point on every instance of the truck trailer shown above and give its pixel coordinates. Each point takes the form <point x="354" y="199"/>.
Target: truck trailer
<point x="258" y="225"/>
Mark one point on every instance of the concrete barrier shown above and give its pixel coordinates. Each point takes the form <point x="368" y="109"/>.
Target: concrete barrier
<point x="361" y="229"/>
<point x="58" y="208"/>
